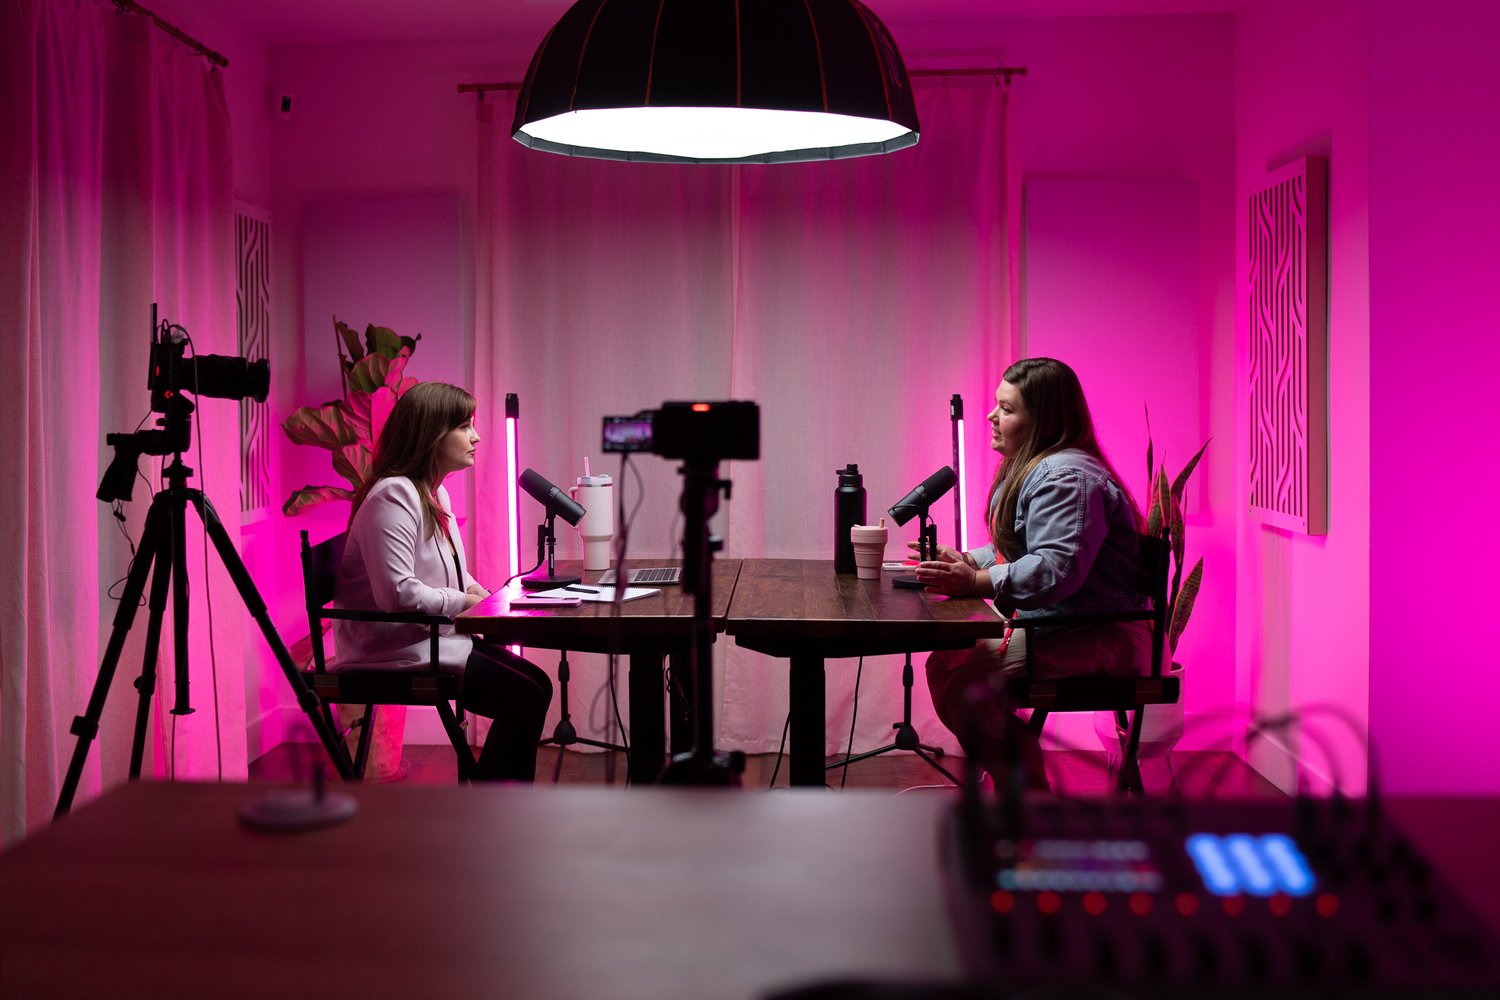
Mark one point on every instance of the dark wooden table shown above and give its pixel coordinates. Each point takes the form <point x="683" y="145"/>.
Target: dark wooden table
<point x="648" y="631"/>
<point x="801" y="610"/>
<point x="542" y="893"/>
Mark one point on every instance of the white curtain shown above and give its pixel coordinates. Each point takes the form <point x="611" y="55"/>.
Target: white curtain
<point x="117" y="194"/>
<point x="850" y="299"/>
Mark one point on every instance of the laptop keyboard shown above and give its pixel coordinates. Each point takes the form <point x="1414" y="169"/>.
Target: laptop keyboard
<point x="651" y="576"/>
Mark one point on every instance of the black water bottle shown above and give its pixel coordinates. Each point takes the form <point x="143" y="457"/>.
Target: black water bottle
<point x="848" y="510"/>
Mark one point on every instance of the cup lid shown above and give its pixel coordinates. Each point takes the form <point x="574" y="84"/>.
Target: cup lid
<point x="597" y="479"/>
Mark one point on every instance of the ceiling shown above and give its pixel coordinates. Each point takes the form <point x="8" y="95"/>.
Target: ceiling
<point x="293" y="22"/>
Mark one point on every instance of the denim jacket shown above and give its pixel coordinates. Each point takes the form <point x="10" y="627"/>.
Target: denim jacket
<point x="1078" y="532"/>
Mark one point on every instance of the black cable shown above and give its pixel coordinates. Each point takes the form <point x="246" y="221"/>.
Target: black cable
<point x="853" y="717"/>
<point x="781" y="749"/>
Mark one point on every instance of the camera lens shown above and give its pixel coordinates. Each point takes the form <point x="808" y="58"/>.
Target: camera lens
<point x="226" y="377"/>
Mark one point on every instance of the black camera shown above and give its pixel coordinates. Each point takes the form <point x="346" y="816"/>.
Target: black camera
<point x="171" y="374"/>
<point x="689" y="431"/>
<point x="218" y="375"/>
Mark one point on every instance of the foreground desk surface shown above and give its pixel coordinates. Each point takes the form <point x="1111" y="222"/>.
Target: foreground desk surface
<point x="481" y="892"/>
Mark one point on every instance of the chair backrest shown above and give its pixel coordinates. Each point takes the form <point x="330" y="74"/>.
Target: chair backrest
<point x="1156" y="559"/>
<point x="320" y="568"/>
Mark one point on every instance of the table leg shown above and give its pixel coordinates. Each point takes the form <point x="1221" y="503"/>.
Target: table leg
<point x="648" y="751"/>
<point x="808" y="708"/>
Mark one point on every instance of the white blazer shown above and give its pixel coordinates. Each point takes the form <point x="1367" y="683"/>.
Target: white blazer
<point x="392" y="564"/>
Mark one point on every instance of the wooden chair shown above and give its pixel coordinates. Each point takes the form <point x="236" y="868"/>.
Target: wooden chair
<point x="353" y="685"/>
<point x="1126" y="697"/>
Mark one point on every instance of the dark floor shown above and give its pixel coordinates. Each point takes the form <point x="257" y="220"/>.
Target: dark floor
<point x="1194" y="773"/>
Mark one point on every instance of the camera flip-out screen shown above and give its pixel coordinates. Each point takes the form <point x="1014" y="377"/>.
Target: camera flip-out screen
<point x="627" y="433"/>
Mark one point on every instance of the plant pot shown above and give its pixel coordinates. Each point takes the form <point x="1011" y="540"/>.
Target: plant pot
<point x="1160" y="731"/>
<point x="385" y="763"/>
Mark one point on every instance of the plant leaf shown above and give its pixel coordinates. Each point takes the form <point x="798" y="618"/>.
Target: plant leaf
<point x="321" y="426"/>
<point x="410" y="343"/>
<point x="353" y="463"/>
<point x="382" y="340"/>
<point x="1179" y="534"/>
<point x="1187" y="470"/>
<point x="357" y="417"/>
<point x="309" y="497"/>
<point x="397" y="366"/>
<point x="401" y="387"/>
<point x="351" y="340"/>
<point x="1150" y="448"/>
<point x="1158" y="516"/>
<point x="382" y="401"/>
<point x="1182" y="608"/>
<point x="368" y="373"/>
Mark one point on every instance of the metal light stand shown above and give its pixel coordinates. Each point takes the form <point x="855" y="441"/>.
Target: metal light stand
<point x="906" y="734"/>
<point x="565" y="734"/>
<point x="956" y="418"/>
<point x="700" y="500"/>
<point x="163" y="545"/>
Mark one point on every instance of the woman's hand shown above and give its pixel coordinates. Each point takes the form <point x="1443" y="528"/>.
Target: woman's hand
<point x="953" y="573"/>
<point x="944" y="553"/>
<point x="474" y="595"/>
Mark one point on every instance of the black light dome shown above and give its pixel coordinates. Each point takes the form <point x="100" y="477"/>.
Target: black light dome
<point x="717" y="81"/>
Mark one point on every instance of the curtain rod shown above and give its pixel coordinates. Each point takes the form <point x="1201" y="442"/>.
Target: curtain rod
<point x="1004" y="71"/>
<point x="130" y="6"/>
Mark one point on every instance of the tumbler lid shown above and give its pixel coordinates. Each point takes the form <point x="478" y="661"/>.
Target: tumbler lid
<point x="849" y="475"/>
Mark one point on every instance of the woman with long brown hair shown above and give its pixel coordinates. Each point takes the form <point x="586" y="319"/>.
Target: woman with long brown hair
<point x="404" y="553"/>
<point x="1064" y="539"/>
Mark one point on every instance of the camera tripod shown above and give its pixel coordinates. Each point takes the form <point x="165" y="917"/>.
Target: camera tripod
<point x="700" y="500"/>
<point x="163" y="546"/>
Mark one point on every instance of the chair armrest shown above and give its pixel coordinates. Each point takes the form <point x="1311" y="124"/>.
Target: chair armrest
<point x="1104" y="617"/>
<point x="391" y="617"/>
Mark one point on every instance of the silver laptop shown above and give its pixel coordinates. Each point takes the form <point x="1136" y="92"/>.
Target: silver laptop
<point x="649" y="576"/>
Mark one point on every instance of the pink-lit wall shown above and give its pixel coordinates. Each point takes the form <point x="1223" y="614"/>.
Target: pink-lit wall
<point x="1303" y="602"/>
<point x="1434" y="357"/>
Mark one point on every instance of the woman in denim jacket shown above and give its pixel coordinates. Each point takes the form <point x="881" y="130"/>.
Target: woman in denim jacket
<point x="1064" y="540"/>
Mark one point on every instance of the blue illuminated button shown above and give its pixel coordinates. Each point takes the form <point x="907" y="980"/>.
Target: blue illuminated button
<point x="1245" y="864"/>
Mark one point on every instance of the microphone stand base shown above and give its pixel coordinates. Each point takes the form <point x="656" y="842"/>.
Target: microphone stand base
<point x="547" y="582"/>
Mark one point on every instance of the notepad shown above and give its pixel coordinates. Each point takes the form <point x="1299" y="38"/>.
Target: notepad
<point x="601" y="595"/>
<point x="542" y="600"/>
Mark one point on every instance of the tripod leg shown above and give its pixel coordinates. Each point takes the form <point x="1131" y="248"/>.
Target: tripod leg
<point x="178" y="525"/>
<point x="86" y="726"/>
<point x="338" y="752"/>
<point x="145" y="685"/>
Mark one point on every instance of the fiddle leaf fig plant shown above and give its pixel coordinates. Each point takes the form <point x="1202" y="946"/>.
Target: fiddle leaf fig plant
<point x="1164" y="515"/>
<point x="373" y="373"/>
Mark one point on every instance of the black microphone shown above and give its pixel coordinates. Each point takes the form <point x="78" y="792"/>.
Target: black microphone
<point x="550" y="497"/>
<point x="925" y="495"/>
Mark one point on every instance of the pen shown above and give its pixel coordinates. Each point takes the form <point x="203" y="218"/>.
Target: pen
<point x="582" y="590"/>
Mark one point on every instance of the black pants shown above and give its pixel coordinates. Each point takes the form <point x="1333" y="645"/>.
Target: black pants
<point x="515" y="693"/>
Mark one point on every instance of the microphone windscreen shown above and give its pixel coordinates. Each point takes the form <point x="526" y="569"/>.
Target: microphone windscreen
<point x="926" y="493"/>
<point x="549" y="496"/>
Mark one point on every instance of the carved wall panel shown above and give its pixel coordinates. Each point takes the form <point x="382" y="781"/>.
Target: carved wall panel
<point x="1288" y="362"/>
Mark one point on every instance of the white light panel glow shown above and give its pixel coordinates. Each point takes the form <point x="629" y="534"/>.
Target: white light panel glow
<point x="710" y="133"/>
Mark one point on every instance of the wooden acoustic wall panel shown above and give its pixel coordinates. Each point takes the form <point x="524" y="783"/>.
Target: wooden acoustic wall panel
<point x="1288" y="330"/>
<point x="252" y="230"/>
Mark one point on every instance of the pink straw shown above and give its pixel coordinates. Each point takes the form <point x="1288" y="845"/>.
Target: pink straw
<point x="585" y="465"/>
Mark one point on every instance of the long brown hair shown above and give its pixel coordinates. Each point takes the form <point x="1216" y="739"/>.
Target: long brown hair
<point x="408" y="444"/>
<point x="1059" y="419"/>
